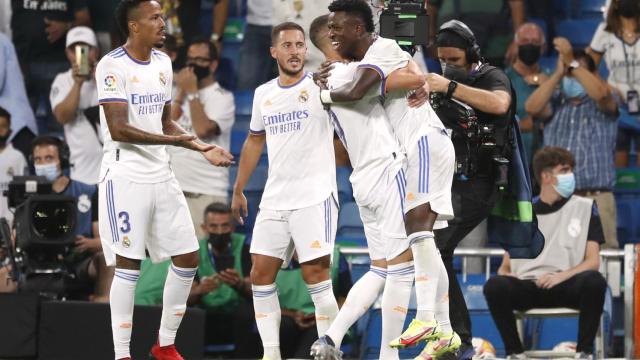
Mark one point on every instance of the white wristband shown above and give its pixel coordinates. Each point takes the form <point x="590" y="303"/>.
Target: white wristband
<point x="325" y="96"/>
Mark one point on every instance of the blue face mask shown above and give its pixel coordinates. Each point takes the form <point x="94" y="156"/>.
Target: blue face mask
<point x="50" y="171"/>
<point x="566" y="184"/>
<point x="572" y="88"/>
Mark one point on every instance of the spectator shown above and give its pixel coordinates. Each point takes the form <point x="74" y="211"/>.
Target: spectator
<point x="182" y="20"/>
<point x="487" y="19"/>
<point x="222" y="287"/>
<point x="526" y="74"/>
<point x="13" y="98"/>
<point x="565" y="274"/>
<point x="74" y="99"/>
<point x="298" y="324"/>
<point x="50" y="158"/>
<point x="583" y="120"/>
<point x="5" y="17"/>
<point x="255" y="67"/>
<point x="12" y="163"/>
<point x="106" y="29"/>
<point x="616" y="40"/>
<point x="39" y="29"/>
<point x="202" y="107"/>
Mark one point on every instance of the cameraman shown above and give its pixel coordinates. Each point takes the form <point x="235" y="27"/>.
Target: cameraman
<point x="50" y="157"/>
<point x="488" y="91"/>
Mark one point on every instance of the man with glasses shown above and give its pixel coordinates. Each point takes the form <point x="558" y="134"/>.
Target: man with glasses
<point x="202" y="107"/>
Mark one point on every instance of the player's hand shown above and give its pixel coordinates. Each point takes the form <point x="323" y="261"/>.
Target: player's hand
<point x="419" y="96"/>
<point x="231" y="278"/>
<point x="563" y="47"/>
<point x="55" y="29"/>
<point x="218" y="156"/>
<point x="239" y="207"/>
<point x="187" y="81"/>
<point x="547" y="281"/>
<point x="208" y="284"/>
<point x="437" y="82"/>
<point x="321" y="76"/>
<point x="83" y="244"/>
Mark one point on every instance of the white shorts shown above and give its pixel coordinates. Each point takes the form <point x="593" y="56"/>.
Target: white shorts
<point x="135" y="216"/>
<point x="430" y="169"/>
<point x="383" y="220"/>
<point x="312" y="230"/>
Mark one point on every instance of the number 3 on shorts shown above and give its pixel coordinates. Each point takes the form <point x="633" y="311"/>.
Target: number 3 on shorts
<point x="126" y="226"/>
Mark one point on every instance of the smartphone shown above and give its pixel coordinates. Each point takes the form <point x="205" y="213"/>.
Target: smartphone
<point x="224" y="262"/>
<point x="82" y="60"/>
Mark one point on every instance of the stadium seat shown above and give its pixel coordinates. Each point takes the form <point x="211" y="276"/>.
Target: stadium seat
<point x="237" y="139"/>
<point x="579" y="32"/>
<point x="345" y="191"/>
<point x="253" y="191"/>
<point x="242" y="123"/>
<point x="370" y="348"/>
<point x="628" y="214"/>
<point x="562" y="8"/>
<point x="244" y="102"/>
<point x="349" y="222"/>
<point x="589" y="9"/>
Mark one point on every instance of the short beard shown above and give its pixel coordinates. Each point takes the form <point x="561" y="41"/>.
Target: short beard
<point x="289" y="72"/>
<point x="158" y="45"/>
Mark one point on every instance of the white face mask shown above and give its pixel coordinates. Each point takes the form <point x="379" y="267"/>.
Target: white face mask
<point x="50" y="171"/>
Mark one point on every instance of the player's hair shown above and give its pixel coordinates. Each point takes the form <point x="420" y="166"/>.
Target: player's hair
<point x="201" y="39"/>
<point x="217" y="208"/>
<point x="549" y="157"/>
<point x="580" y="54"/>
<point x="123" y="10"/>
<point x="358" y="8"/>
<point x="275" y="33"/>
<point x="317" y="26"/>
<point x="5" y="114"/>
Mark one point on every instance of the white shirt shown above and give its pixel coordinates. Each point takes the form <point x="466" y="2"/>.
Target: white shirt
<point x="364" y="130"/>
<point x="285" y="10"/>
<point x="85" y="141"/>
<point x="302" y="169"/>
<point x="384" y="56"/>
<point x="624" y="71"/>
<point x="259" y="12"/>
<point x="12" y="163"/>
<point x="194" y="173"/>
<point x="146" y="88"/>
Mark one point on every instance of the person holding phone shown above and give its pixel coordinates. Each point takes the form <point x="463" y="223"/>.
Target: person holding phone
<point x="73" y="94"/>
<point x="221" y="286"/>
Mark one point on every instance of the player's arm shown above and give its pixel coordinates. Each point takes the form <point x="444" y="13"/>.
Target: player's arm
<point x="364" y="79"/>
<point x="249" y="157"/>
<point x="406" y="78"/>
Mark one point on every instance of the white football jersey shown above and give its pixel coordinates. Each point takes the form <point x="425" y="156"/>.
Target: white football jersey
<point x="302" y="168"/>
<point x="386" y="56"/>
<point x="145" y="87"/>
<point x="364" y="130"/>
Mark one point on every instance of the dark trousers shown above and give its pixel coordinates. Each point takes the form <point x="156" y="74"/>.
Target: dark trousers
<point x="584" y="292"/>
<point x="472" y="203"/>
<point x="256" y="67"/>
<point x="296" y="342"/>
<point x="236" y="328"/>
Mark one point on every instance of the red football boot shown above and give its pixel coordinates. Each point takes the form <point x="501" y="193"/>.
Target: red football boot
<point x="168" y="352"/>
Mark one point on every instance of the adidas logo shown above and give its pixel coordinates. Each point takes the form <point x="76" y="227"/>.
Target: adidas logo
<point x="422" y="278"/>
<point x="410" y="196"/>
<point x="179" y="313"/>
<point x="400" y="309"/>
<point x="268" y="103"/>
<point x="125" y="326"/>
<point x="316" y="245"/>
<point x="135" y="79"/>
<point x="322" y="318"/>
<point x="260" y="316"/>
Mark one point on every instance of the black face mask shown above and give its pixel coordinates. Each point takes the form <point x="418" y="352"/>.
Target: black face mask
<point x="4" y="139"/>
<point x="220" y="241"/>
<point x="628" y="8"/>
<point x="455" y="72"/>
<point x="200" y="71"/>
<point x="529" y="54"/>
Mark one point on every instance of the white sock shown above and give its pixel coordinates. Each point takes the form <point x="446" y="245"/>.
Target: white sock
<point x="360" y="298"/>
<point x="121" y="296"/>
<point x="395" y="301"/>
<point x="442" y="300"/>
<point x="174" y="302"/>
<point x="267" y="308"/>
<point x="325" y="304"/>
<point x="426" y="262"/>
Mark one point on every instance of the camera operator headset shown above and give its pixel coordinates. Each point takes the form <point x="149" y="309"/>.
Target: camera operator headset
<point x="487" y="90"/>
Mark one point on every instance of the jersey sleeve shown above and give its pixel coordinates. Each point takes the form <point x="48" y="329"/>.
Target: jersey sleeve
<point x="599" y="38"/>
<point x="256" y="126"/>
<point x="384" y="56"/>
<point x="110" y="80"/>
<point x="59" y="90"/>
<point x="168" y="85"/>
<point x="221" y="109"/>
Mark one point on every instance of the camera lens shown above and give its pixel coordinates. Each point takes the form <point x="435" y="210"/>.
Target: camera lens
<point x="51" y="220"/>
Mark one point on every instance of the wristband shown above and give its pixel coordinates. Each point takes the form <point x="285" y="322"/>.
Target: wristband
<point x="325" y="97"/>
<point x="451" y="89"/>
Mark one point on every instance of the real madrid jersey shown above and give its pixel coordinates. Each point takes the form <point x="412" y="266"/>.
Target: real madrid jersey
<point x="145" y="86"/>
<point x="364" y="130"/>
<point x="385" y="56"/>
<point x="302" y="169"/>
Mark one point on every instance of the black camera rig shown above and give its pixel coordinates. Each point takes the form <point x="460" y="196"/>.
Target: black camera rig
<point x="405" y="21"/>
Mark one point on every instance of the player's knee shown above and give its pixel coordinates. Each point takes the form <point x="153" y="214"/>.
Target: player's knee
<point x="190" y="260"/>
<point x="316" y="270"/>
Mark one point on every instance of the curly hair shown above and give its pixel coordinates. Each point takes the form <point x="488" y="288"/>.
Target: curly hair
<point x="357" y="8"/>
<point x="549" y="157"/>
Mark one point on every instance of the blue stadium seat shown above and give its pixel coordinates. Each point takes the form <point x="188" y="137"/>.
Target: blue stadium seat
<point x="579" y="32"/>
<point x="242" y="123"/>
<point x="628" y="213"/>
<point x="237" y="139"/>
<point x="349" y="222"/>
<point x="589" y="9"/>
<point x="562" y="8"/>
<point x="253" y="191"/>
<point x="482" y="323"/>
<point x="370" y="348"/>
<point x="345" y="191"/>
<point x="244" y="102"/>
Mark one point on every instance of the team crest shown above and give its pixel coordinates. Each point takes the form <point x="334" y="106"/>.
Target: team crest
<point x="84" y="203"/>
<point x="304" y="96"/>
<point x="126" y="242"/>
<point x="163" y="80"/>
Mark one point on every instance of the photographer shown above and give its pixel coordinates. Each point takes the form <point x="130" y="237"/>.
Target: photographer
<point x="488" y="91"/>
<point x="74" y="100"/>
<point x="50" y="157"/>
